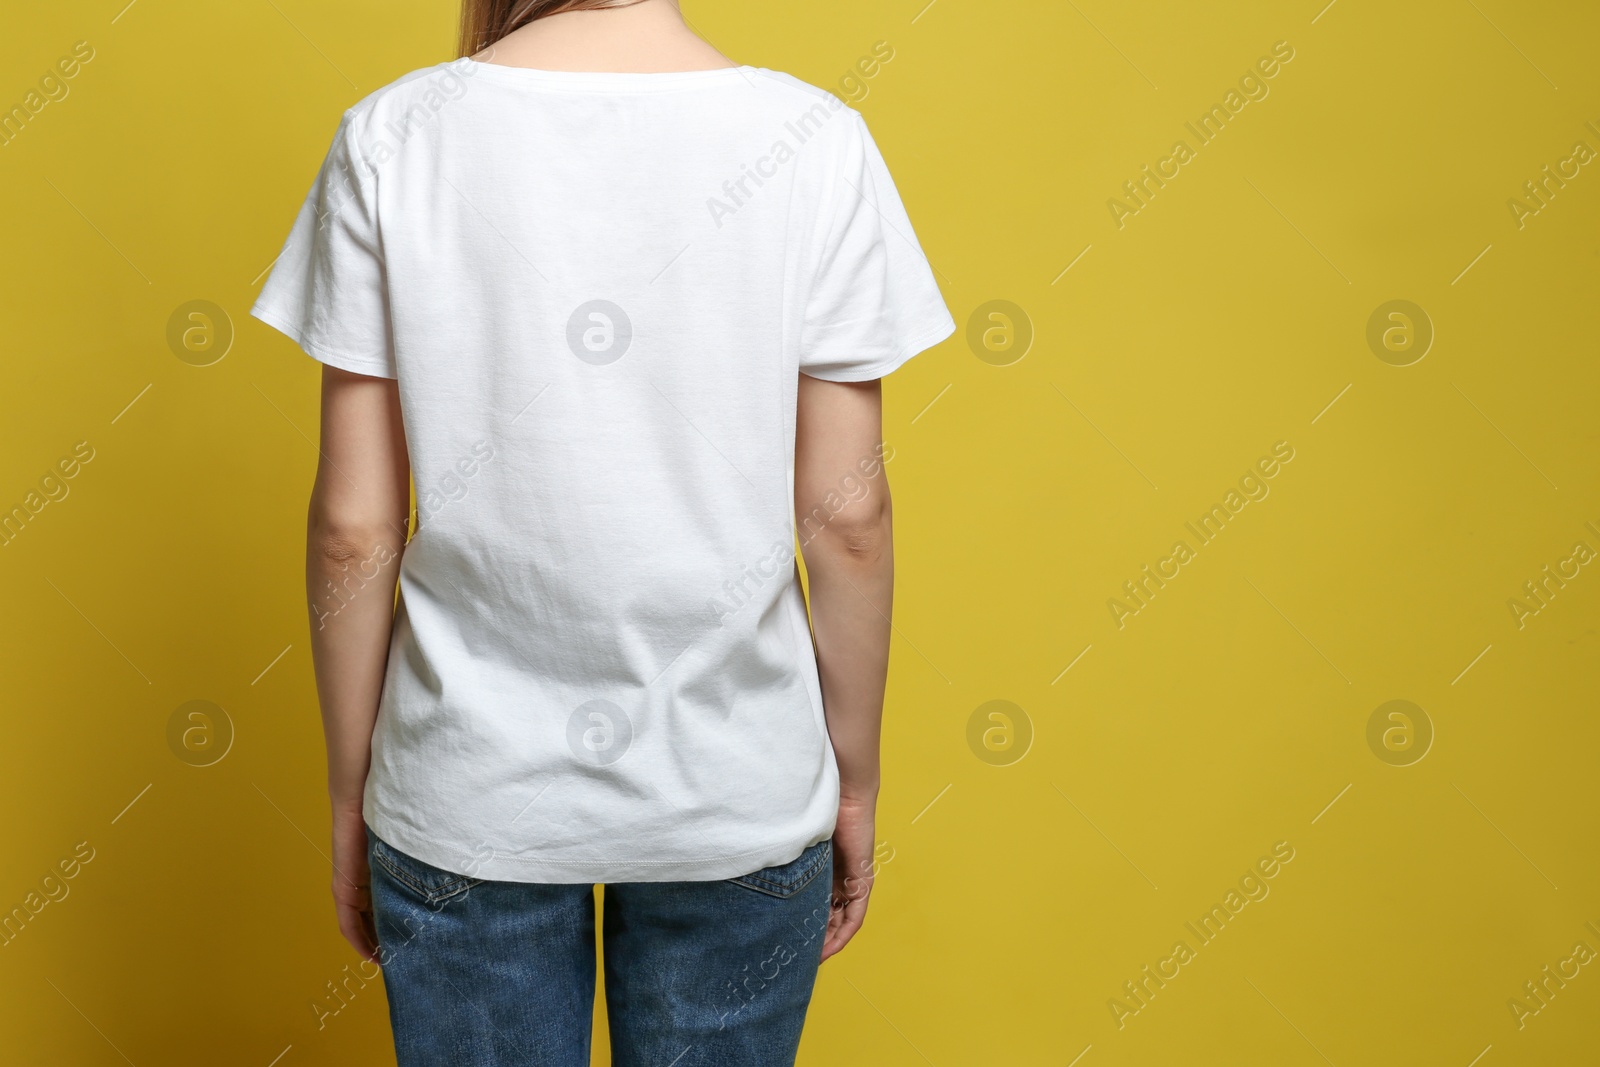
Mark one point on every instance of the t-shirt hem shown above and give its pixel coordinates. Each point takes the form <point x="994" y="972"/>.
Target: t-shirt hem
<point x="497" y="868"/>
<point x="376" y="368"/>
<point x="918" y="344"/>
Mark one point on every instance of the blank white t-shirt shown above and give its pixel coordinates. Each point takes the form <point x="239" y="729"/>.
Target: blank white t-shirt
<point x="597" y="292"/>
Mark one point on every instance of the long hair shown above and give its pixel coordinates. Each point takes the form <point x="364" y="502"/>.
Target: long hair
<point x="483" y="22"/>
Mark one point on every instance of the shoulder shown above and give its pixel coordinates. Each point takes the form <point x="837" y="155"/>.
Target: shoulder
<point x="395" y="106"/>
<point x="785" y="88"/>
<point x="812" y="120"/>
<point x="786" y="84"/>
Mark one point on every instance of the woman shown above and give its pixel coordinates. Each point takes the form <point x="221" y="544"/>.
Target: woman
<point x="618" y="307"/>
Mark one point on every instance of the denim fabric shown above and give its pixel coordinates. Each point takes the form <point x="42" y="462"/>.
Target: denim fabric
<point x="697" y="974"/>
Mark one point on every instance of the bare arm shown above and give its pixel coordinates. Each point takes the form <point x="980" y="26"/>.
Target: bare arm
<point x="842" y="511"/>
<point x="355" y="535"/>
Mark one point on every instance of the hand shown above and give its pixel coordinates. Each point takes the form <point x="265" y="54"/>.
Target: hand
<point x="352" y="882"/>
<point x="853" y="871"/>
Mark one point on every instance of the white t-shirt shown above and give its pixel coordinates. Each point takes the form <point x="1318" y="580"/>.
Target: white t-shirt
<point x="597" y="292"/>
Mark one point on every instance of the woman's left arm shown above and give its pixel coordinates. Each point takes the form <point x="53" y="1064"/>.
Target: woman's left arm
<point x="355" y="535"/>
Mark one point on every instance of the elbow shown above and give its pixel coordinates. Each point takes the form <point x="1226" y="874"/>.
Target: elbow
<point x="343" y="539"/>
<point x="859" y="541"/>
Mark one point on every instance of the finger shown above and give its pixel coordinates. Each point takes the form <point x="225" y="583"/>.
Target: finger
<point x="837" y="939"/>
<point x="350" y="928"/>
<point x="354" y="931"/>
<point x="836" y="919"/>
<point x="849" y="920"/>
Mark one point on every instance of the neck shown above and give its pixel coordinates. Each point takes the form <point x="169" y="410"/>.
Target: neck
<point x="649" y="36"/>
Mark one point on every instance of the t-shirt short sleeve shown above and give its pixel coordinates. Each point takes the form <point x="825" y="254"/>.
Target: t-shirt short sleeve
<point x="873" y="302"/>
<point x="327" y="291"/>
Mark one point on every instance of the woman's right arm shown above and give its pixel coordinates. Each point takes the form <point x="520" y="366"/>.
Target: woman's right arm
<point x="849" y="559"/>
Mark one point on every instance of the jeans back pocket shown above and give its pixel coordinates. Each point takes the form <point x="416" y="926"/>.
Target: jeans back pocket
<point x="787" y="879"/>
<point x="431" y="883"/>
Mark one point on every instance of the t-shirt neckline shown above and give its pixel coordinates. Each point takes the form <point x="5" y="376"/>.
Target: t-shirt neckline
<point x="605" y="80"/>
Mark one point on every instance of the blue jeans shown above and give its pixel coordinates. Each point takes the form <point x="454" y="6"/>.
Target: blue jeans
<point x="697" y="974"/>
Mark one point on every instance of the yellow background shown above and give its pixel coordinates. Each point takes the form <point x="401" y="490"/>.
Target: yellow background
<point x="1229" y="714"/>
